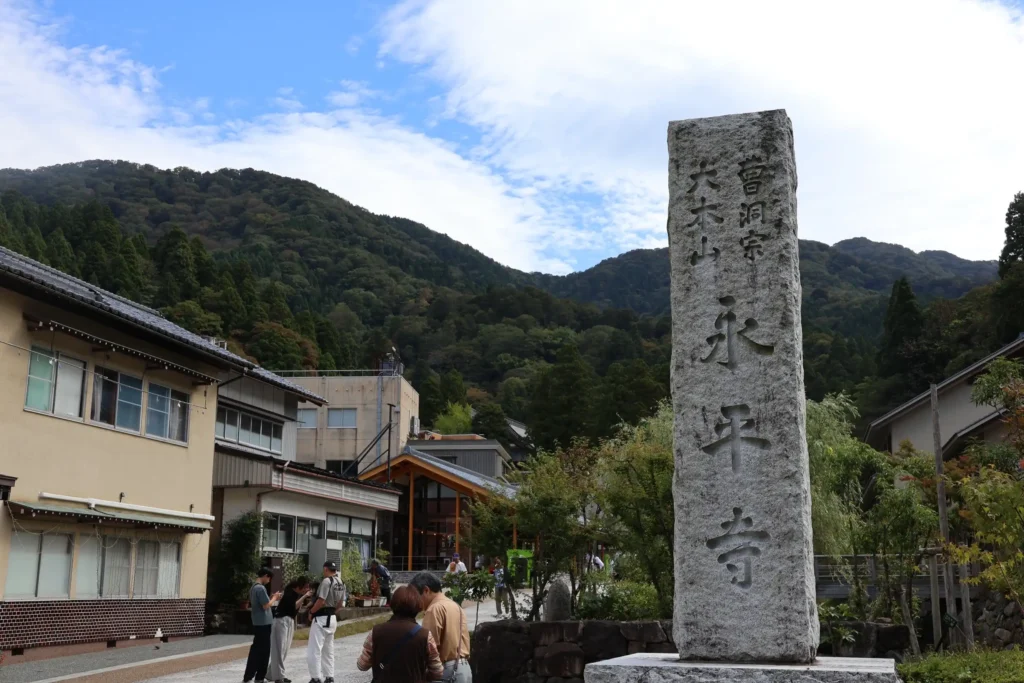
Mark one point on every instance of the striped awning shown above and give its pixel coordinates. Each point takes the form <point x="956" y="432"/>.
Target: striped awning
<point x="94" y="516"/>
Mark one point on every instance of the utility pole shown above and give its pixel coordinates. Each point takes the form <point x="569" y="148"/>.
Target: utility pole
<point x="940" y="487"/>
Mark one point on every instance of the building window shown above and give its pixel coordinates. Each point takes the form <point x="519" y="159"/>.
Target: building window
<point x="306" y="529"/>
<point x="157" y="567"/>
<point x="278" y="532"/>
<point x="117" y="399"/>
<point x="307" y="418"/>
<point x="56" y="383"/>
<point x="233" y="425"/>
<point x="341" y="466"/>
<point x="341" y="418"/>
<point x="167" y="413"/>
<point x="104" y="567"/>
<point x="39" y="565"/>
<point x="337" y="527"/>
<point x="362" y="527"/>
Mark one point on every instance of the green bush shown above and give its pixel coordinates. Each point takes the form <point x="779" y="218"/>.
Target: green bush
<point x="981" y="666"/>
<point x="236" y="560"/>
<point x="621" y="601"/>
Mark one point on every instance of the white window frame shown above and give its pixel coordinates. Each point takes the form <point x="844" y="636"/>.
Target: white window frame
<point x="253" y="420"/>
<point x="39" y="538"/>
<point x="118" y="400"/>
<point x="302" y="423"/>
<point x="56" y="358"/>
<point x="280" y="518"/>
<point x="343" y="411"/>
<point x="172" y="396"/>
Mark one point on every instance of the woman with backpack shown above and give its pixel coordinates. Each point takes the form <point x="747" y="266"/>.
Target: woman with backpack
<point x="401" y="651"/>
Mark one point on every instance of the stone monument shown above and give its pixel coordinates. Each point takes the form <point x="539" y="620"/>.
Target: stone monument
<point x="744" y="565"/>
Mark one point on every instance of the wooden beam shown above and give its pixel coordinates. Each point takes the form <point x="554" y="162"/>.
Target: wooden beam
<point x="940" y="491"/>
<point x="412" y="502"/>
<point x="458" y="504"/>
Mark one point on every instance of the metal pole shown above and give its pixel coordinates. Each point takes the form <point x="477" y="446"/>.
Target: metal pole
<point x="940" y="487"/>
<point x="412" y="499"/>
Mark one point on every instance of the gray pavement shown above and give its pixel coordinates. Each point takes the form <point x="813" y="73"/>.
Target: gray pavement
<point x="62" y="666"/>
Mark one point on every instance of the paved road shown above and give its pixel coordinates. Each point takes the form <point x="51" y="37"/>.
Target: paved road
<point x="346" y="651"/>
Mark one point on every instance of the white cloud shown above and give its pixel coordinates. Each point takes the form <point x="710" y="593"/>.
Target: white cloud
<point x="60" y="104"/>
<point x="352" y="93"/>
<point x="906" y="114"/>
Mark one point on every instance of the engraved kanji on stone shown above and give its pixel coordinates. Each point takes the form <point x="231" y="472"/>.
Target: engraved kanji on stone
<point x="751" y="213"/>
<point x="737" y="428"/>
<point x="727" y="336"/>
<point x="699" y="256"/>
<point x="752" y="172"/>
<point x="742" y="542"/>
<point x="703" y="177"/>
<point x="753" y="244"/>
<point x="704" y="212"/>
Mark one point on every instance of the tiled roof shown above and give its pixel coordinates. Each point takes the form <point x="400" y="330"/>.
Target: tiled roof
<point x="50" y="280"/>
<point x="467" y="475"/>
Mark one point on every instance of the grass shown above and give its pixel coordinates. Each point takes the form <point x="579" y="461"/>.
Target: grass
<point x="351" y="628"/>
<point x="980" y="666"/>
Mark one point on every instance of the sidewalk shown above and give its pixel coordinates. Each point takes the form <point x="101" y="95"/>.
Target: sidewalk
<point x="211" y="659"/>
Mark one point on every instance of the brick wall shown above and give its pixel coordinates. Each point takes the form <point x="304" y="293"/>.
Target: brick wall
<point x="64" y="622"/>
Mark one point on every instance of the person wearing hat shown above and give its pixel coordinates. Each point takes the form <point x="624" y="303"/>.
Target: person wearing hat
<point x="262" y="622"/>
<point x="457" y="566"/>
<point x="320" y="652"/>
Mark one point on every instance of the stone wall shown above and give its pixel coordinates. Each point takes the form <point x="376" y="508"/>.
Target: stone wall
<point x="997" y="621"/>
<point x="553" y="652"/>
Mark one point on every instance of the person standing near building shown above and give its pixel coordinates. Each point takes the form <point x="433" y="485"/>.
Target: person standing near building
<point x="262" y="619"/>
<point x="283" y="630"/>
<point x="400" y="651"/>
<point x="383" y="578"/>
<point x="457" y="566"/>
<point x="500" y="590"/>
<point x="447" y="622"/>
<point x="320" y="652"/>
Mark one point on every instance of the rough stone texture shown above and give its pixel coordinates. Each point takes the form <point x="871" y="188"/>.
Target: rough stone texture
<point x="563" y="660"/>
<point x="643" y="631"/>
<point x="558" y="602"/>
<point x="744" y="563"/>
<point x="651" y="668"/>
<point x="544" y="633"/>
<point x="603" y="640"/>
<point x="502" y="651"/>
<point x="994" y="617"/>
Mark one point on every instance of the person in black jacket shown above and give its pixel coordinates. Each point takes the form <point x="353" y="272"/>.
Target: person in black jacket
<point x="295" y="595"/>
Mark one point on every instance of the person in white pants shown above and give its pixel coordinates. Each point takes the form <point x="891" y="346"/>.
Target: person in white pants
<point x="320" y="651"/>
<point x="295" y="600"/>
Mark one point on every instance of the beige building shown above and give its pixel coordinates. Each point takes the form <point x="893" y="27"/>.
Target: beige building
<point x="960" y="418"/>
<point x="368" y="413"/>
<point x="107" y="424"/>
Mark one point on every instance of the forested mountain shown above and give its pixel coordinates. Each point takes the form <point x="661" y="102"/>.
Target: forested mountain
<point x="294" y="276"/>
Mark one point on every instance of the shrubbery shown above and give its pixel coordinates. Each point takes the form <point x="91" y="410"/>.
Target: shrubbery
<point x="620" y="601"/>
<point x="968" y="667"/>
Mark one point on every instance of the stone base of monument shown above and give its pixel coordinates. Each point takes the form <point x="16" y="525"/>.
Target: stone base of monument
<point x="660" y="668"/>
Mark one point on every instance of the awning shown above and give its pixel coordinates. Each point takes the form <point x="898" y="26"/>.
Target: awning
<point x="81" y="514"/>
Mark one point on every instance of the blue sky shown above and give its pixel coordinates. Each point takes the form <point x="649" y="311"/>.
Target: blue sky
<point x="535" y="130"/>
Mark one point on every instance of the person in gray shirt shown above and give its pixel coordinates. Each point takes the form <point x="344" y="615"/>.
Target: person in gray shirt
<point x="262" y="621"/>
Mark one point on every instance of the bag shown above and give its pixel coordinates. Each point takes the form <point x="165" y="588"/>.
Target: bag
<point x="383" y="665"/>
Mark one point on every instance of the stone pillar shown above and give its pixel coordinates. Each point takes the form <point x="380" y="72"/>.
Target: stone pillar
<point x="744" y="570"/>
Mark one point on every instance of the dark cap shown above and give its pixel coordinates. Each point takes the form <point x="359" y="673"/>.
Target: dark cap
<point x="330" y="566"/>
<point x="265" y="571"/>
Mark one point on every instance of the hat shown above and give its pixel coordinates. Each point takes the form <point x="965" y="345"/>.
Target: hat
<point x="330" y="566"/>
<point x="455" y="556"/>
<point x="265" y="571"/>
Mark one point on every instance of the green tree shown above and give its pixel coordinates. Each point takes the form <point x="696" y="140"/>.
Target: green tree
<point x="514" y="397"/>
<point x="428" y="384"/>
<point x="206" y="270"/>
<point x="453" y="389"/>
<point x="628" y="393"/>
<point x="1013" y="246"/>
<point x="489" y="421"/>
<point x="276" y="347"/>
<point x="560" y="408"/>
<point x="176" y="268"/>
<point x="9" y="237"/>
<point x="276" y="300"/>
<point x="35" y="245"/>
<point x="904" y="325"/>
<point x="192" y="316"/>
<point x="456" y="419"/>
<point x="60" y="254"/>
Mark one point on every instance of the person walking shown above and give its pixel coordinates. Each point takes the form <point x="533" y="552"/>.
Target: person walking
<point x="447" y="622"/>
<point x="260" y="603"/>
<point x="283" y="630"/>
<point x="320" y="652"/>
<point x="500" y="591"/>
<point x="383" y="578"/>
<point x="400" y="651"/>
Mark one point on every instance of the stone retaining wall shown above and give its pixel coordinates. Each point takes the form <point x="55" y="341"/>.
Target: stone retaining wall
<point x="997" y="621"/>
<point x="552" y="652"/>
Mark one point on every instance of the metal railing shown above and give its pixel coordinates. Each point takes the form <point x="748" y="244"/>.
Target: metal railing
<point x="835" y="579"/>
<point x="392" y="371"/>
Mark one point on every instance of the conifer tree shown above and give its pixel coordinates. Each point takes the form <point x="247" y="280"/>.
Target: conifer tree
<point x="453" y="388"/>
<point x="1013" y="246"/>
<point x="8" y="236"/>
<point x="176" y="268"/>
<point x="560" y="408"/>
<point x="904" y="326"/>
<point x="60" y="254"/>
<point x="35" y="245"/>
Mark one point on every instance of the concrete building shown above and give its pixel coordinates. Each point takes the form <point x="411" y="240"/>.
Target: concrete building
<point x="307" y="512"/>
<point x="107" y="423"/>
<point x="960" y="418"/>
<point x="369" y="412"/>
<point x="469" y="451"/>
